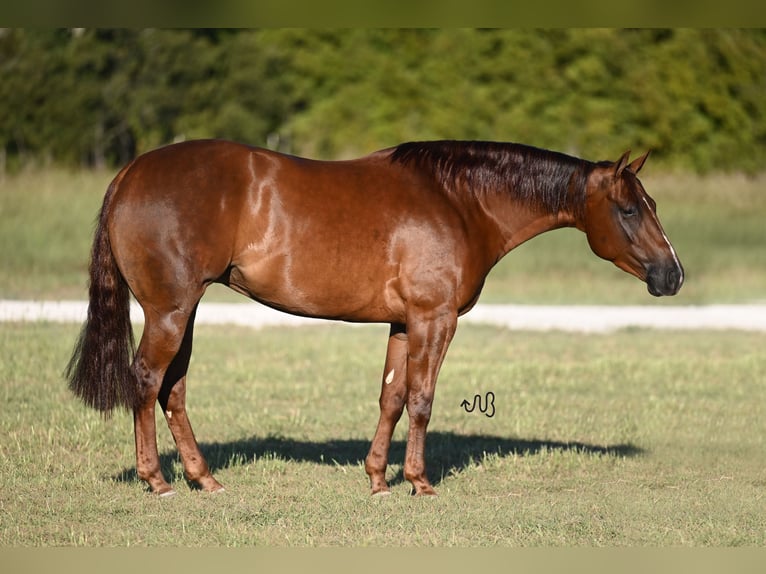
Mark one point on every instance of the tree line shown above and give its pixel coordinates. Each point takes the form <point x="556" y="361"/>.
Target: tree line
<point x="98" y="97"/>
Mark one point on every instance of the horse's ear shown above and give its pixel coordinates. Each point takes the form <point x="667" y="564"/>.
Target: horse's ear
<point x="636" y="165"/>
<point x="621" y="164"/>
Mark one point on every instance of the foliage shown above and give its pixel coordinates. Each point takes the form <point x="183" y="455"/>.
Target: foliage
<point x="98" y="96"/>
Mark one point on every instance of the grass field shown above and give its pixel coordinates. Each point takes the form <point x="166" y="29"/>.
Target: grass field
<point x="715" y="223"/>
<point x="638" y="438"/>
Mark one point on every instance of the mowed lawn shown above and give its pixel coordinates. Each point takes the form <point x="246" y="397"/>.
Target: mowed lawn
<point x="637" y="438"/>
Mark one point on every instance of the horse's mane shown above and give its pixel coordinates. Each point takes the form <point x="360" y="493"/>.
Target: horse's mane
<point x="541" y="178"/>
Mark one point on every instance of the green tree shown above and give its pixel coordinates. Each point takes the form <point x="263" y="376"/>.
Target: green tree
<point x="100" y="96"/>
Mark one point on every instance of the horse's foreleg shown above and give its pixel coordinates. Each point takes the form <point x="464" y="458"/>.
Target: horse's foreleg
<point x="429" y="337"/>
<point x="172" y="399"/>
<point x="392" y="396"/>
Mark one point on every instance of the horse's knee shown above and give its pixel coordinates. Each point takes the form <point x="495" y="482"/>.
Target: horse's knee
<point x="392" y="403"/>
<point x="419" y="407"/>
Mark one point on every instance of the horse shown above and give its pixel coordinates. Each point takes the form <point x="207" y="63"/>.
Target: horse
<point x="404" y="236"/>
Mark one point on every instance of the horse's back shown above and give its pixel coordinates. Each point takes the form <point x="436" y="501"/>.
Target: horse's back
<point x="205" y="171"/>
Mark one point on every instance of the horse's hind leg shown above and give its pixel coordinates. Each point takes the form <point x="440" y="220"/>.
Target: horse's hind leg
<point x="172" y="399"/>
<point x="161" y="361"/>
<point x="161" y="340"/>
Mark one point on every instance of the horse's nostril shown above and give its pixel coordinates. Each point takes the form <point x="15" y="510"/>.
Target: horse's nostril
<point x="674" y="279"/>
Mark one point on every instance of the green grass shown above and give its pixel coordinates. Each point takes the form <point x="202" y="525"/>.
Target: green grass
<point x="47" y="219"/>
<point x="639" y="438"/>
<point x="715" y="223"/>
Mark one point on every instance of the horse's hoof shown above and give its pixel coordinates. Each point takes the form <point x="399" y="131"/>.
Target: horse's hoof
<point x="428" y="492"/>
<point x="381" y="494"/>
<point x="167" y="493"/>
<point x="208" y="484"/>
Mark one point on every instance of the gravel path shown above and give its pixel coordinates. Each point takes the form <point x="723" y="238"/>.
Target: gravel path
<point x="588" y="319"/>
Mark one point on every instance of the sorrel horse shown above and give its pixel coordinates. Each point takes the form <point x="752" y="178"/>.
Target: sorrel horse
<point x="404" y="236"/>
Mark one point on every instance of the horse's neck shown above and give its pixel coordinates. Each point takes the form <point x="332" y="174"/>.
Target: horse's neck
<point x="516" y="222"/>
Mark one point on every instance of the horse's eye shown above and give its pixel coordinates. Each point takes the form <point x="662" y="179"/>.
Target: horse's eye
<point x="628" y="211"/>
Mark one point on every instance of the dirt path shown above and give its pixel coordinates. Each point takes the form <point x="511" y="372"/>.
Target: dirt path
<point x="532" y="317"/>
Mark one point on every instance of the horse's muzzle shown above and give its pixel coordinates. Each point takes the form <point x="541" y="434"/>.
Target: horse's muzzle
<point x="665" y="279"/>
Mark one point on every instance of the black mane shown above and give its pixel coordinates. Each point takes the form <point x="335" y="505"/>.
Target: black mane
<point x="544" y="179"/>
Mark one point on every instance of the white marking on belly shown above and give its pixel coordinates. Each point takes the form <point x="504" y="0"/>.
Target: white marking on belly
<point x="390" y="377"/>
<point x="169" y="414"/>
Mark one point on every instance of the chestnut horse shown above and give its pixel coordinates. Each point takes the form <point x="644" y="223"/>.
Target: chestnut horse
<point x="404" y="236"/>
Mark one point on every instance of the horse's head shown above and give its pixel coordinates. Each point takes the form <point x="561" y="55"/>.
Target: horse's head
<point x="622" y="226"/>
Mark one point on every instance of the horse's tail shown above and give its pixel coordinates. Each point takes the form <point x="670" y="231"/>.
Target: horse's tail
<point x="99" y="371"/>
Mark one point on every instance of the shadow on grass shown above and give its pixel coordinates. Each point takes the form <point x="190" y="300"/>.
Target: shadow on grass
<point x="447" y="453"/>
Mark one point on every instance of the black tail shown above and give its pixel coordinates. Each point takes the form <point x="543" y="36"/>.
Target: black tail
<point x="99" y="371"/>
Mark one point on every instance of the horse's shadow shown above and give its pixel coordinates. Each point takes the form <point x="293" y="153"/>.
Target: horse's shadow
<point x="448" y="453"/>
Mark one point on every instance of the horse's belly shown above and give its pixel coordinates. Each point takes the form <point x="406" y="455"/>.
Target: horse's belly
<point x="319" y="290"/>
